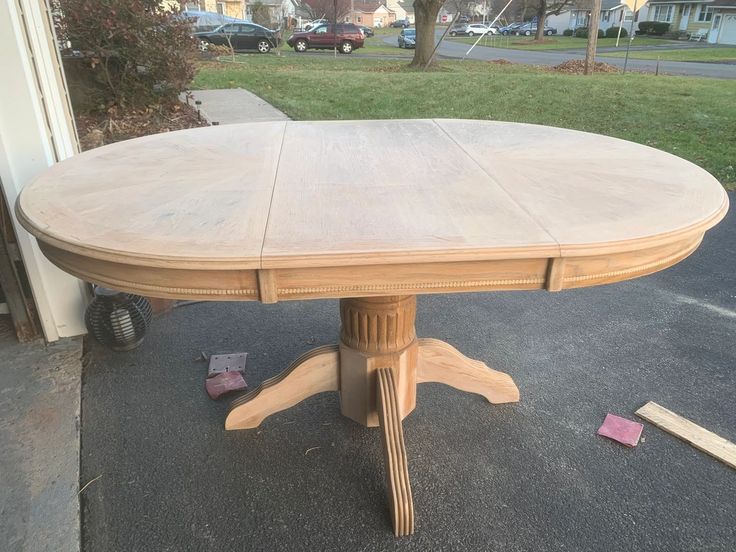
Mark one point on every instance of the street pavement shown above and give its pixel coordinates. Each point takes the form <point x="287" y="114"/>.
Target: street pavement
<point x="457" y="50"/>
<point x="519" y="477"/>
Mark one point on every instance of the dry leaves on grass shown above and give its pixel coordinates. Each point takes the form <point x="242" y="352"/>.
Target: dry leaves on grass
<point x="98" y="129"/>
<point x="577" y="67"/>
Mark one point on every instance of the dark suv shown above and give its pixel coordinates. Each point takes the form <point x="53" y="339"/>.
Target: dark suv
<point x="346" y="36"/>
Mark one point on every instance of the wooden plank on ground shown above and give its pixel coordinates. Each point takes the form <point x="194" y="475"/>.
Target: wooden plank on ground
<point x="684" y="429"/>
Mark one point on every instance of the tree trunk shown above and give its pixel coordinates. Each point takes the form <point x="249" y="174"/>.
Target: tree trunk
<point x="595" y="17"/>
<point x="425" y="16"/>
<point x="541" y="19"/>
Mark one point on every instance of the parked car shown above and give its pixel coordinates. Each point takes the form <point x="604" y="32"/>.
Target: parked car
<point x="403" y="23"/>
<point x="242" y="36"/>
<point x="346" y="36"/>
<point x="528" y="29"/>
<point x="457" y="29"/>
<point x="316" y="23"/>
<point x="367" y="31"/>
<point x="408" y="38"/>
<point x="508" y="29"/>
<point x="471" y="29"/>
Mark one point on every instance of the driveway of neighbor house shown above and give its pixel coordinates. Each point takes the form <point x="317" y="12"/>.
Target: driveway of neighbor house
<point x="526" y="476"/>
<point x="450" y="49"/>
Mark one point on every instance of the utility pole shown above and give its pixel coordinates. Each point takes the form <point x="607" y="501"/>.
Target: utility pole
<point x="595" y="17"/>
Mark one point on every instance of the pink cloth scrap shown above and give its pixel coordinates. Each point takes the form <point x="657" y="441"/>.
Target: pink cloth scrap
<point x="622" y="430"/>
<point x="224" y="383"/>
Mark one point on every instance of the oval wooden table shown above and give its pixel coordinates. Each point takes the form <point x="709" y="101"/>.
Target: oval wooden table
<point x="374" y="213"/>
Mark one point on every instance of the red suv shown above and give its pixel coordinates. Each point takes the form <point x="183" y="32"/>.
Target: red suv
<point x="346" y="36"/>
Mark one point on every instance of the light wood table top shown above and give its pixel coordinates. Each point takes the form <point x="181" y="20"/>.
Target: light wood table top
<point x="293" y="210"/>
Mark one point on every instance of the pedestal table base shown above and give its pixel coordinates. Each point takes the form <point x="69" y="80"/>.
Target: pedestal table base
<point x="376" y="368"/>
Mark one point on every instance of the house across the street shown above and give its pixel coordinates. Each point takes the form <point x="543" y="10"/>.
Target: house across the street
<point x="714" y="19"/>
<point x="614" y="13"/>
<point x="371" y="14"/>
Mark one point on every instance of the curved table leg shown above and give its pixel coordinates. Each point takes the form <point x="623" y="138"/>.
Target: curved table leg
<point x="397" y="470"/>
<point x="314" y="372"/>
<point x="440" y="362"/>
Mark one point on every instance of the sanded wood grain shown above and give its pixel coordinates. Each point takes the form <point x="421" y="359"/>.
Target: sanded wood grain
<point x="305" y="210"/>
<point x="440" y="362"/>
<point x="592" y="193"/>
<point x="316" y="371"/>
<point x="175" y="199"/>
<point x="396" y="464"/>
<point x="684" y="429"/>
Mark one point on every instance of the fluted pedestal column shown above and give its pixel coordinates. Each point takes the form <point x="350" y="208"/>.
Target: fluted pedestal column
<point x="377" y="332"/>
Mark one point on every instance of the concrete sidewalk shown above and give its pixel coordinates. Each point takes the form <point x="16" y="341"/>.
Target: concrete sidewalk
<point x="235" y="105"/>
<point x="40" y="395"/>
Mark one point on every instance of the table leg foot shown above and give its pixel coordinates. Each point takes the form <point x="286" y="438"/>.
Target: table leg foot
<point x="397" y="470"/>
<point x="314" y="372"/>
<point x="440" y="362"/>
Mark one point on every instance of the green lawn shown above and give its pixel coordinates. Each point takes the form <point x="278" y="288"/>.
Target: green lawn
<point x="692" y="54"/>
<point x="691" y="117"/>
<point x="557" y="42"/>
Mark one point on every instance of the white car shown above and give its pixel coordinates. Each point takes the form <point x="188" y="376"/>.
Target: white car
<point x="478" y="29"/>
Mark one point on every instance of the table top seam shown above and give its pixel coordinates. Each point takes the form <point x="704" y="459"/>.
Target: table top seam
<point x="273" y="193"/>
<point x="505" y="191"/>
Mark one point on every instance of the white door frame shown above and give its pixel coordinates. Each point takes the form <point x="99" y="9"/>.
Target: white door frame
<point x="686" y="9"/>
<point x="36" y="131"/>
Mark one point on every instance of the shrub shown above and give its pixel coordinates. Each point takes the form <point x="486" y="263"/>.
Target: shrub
<point x="127" y="53"/>
<point x="567" y="32"/>
<point x="582" y="32"/>
<point x="612" y="32"/>
<point x="653" y="27"/>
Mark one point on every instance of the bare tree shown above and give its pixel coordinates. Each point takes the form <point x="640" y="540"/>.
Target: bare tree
<point x="542" y="8"/>
<point x="425" y="18"/>
<point x="461" y="7"/>
<point x="332" y="10"/>
<point x="260" y="14"/>
<point x="595" y="15"/>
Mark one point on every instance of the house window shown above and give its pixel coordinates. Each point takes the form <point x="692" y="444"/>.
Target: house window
<point x="360" y="19"/>
<point x="663" y="14"/>
<point x="581" y="18"/>
<point x="705" y="14"/>
<point x="606" y="15"/>
<point x="221" y="8"/>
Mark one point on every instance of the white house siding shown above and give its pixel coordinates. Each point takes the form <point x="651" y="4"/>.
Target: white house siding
<point x="576" y="18"/>
<point x="560" y="21"/>
<point x="395" y="7"/>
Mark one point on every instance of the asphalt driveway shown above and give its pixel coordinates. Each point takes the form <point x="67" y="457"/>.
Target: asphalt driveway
<point x="520" y="477"/>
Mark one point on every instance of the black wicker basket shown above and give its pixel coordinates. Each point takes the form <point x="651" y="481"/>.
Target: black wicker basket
<point x="117" y="319"/>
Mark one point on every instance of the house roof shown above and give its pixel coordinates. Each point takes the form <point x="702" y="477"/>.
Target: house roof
<point x="407" y="5"/>
<point x="724" y="4"/>
<point x="368" y="7"/>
